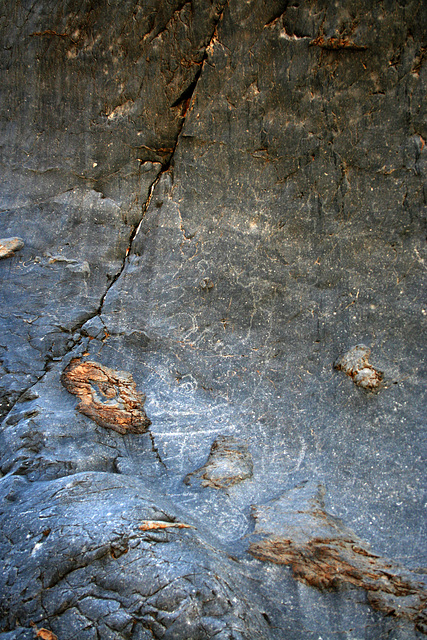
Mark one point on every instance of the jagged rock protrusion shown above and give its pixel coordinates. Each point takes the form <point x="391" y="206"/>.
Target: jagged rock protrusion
<point x="229" y="462"/>
<point x="324" y="553"/>
<point x="106" y="396"/>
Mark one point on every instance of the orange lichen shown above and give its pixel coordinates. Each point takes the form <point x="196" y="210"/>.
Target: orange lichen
<point x="42" y="633"/>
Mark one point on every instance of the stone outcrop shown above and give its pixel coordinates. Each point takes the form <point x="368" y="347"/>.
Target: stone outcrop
<point x="229" y="463"/>
<point x="219" y="198"/>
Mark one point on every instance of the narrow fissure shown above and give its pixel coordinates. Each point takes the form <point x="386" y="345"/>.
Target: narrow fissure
<point x="185" y="99"/>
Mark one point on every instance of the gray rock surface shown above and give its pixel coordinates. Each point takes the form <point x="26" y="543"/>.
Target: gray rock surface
<point x="220" y="199"/>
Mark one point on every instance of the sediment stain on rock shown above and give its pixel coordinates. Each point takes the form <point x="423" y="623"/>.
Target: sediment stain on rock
<point x="355" y="364"/>
<point x="106" y="396"/>
<point x="8" y="246"/>
<point x="324" y="553"/>
<point x="229" y="462"/>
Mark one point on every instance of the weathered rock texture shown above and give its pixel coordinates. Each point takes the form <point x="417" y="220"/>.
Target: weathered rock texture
<point x="220" y="198"/>
<point x="355" y="364"/>
<point x="115" y="578"/>
<point x="8" y="246"/>
<point x="324" y="553"/>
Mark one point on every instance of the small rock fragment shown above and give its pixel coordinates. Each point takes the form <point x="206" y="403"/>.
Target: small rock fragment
<point x="107" y="396"/>
<point x="324" y="553"/>
<point x="229" y="462"/>
<point x="93" y="328"/>
<point x="355" y="364"/>
<point x="8" y="246"/>
<point x="206" y="284"/>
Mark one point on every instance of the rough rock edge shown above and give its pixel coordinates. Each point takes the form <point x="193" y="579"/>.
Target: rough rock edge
<point x="229" y="463"/>
<point x="355" y="364"/>
<point x="8" y="246"/>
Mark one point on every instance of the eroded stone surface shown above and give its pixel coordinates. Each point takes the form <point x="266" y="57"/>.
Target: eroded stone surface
<point x="99" y="569"/>
<point x="355" y="364"/>
<point x="324" y="553"/>
<point x="229" y="462"/>
<point x="106" y="396"/>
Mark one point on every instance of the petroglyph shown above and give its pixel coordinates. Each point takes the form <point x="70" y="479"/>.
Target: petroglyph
<point x="106" y="396"/>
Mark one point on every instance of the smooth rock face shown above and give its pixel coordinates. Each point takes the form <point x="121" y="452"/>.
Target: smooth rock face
<point x="220" y="199"/>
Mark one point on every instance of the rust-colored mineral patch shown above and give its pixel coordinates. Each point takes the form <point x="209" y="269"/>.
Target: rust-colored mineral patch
<point x="107" y="396"/>
<point x="8" y="246"/>
<point x="335" y="44"/>
<point x="355" y="364"/>
<point x="43" y="633"/>
<point x="324" y="553"/>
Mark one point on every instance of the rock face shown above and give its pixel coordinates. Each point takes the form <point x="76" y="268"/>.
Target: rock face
<point x="102" y="574"/>
<point x="220" y="198"/>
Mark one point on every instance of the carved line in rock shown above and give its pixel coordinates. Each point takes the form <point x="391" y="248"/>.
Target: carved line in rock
<point x="185" y="99"/>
